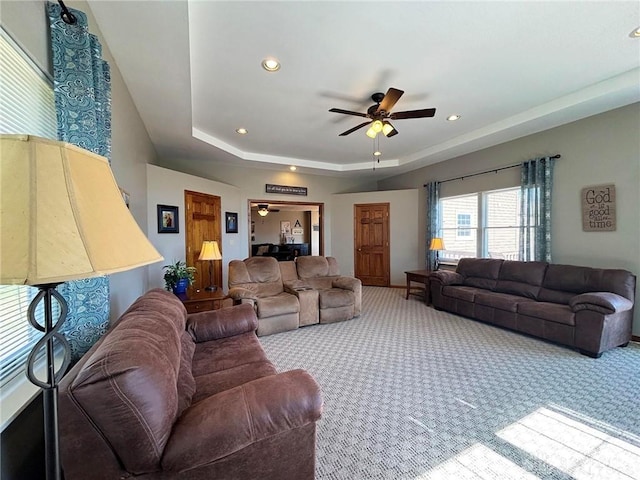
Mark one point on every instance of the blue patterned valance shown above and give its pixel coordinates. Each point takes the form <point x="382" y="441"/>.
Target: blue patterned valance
<point x="82" y="87"/>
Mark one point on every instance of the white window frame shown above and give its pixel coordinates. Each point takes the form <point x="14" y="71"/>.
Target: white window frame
<point x="482" y="228"/>
<point x="27" y="107"/>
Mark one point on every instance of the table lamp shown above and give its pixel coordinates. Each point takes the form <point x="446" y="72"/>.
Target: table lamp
<point x="63" y="218"/>
<point x="436" y="245"/>
<point x="210" y="251"/>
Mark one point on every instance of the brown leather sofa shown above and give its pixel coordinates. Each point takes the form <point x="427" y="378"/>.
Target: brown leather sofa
<point x="590" y="309"/>
<point x="286" y="295"/>
<point x="167" y="395"/>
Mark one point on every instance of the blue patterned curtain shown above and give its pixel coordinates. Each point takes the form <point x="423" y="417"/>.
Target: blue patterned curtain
<point x="536" y="182"/>
<point x="82" y="89"/>
<point x="433" y="224"/>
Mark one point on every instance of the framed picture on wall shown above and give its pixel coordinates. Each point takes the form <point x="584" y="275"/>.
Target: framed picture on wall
<point x="231" y="222"/>
<point x="168" y="219"/>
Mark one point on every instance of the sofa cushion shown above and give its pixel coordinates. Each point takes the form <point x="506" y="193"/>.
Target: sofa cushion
<point x="461" y="292"/>
<point x="312" y="267"/>
<point x="215" y="382"/>
<point x="479" y="272"/>
<point x="127" y="387"/>
<point x="501" y="301"/>
<point x="552" y="312"/>
<point x="186" y="384"/>
<point x="280" y="304"/>
<point x="335" y="297"/>
<point x="521" y="278"/>
<point x="227" y="353"/>
<point x="574" y="279"/>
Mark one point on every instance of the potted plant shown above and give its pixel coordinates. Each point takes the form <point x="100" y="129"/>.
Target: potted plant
<point x="178" y="277"/>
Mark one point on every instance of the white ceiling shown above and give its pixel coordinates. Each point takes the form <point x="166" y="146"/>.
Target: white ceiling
<point x="509" y="68"/>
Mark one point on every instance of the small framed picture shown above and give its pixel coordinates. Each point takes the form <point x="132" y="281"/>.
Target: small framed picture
<point x="168" y="219"/>
<point x="231" y="222"/>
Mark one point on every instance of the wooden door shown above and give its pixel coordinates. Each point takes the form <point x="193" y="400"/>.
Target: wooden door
<point x="203" y="221"/>
<point x="371" y="254"/>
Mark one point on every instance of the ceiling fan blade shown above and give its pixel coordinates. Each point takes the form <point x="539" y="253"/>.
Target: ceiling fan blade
<point x="390" y="99"/>
<point x="351" y="130"/>
<point x="348" y="112"/>
<point x="427" y="112"/>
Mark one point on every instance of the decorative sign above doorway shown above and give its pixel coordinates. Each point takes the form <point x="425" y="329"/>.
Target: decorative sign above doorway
<point x="286" y="189"/>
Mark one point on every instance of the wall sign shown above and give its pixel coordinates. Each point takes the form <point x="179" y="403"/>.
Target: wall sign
<point x="598" y="208"/>
<point x="286" y="189"/>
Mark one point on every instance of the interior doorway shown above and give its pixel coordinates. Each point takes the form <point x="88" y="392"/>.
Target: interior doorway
<point x="284" y="229"/>
<point x="371" y="244"/>
<point x="203" y="222"/>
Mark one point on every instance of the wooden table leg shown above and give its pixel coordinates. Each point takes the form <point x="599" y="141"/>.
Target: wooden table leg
<point x="408" y="287"/>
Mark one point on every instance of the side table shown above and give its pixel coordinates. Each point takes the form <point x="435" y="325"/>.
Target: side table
<point x="419" y="276"/>
<point x="202" y="300"/>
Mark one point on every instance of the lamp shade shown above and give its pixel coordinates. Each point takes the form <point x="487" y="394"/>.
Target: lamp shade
<point x="210" y="251"/>
<point x="62" y="215"/>
<point x="436" y="244"/>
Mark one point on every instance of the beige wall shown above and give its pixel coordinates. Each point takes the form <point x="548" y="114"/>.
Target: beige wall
<point x="251" y="184"/>
<point x="405" y="237"/>
<point x="166" y="187"/>
<point x="26" y="22"/>
<point x="597" y="150"/>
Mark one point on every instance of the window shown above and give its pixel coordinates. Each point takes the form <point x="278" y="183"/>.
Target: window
<point x="26" y="106"/>
<point x="483" y="224"/>
<point x="459" y="219"/>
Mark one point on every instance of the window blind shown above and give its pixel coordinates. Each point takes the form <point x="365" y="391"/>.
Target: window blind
<point x="26" y="106"/>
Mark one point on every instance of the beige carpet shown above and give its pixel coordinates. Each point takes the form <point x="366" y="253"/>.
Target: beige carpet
<point x="413" y="393"/>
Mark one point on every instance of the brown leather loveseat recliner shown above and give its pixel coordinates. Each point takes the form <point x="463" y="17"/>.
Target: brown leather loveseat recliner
<point x="167" y="395"/>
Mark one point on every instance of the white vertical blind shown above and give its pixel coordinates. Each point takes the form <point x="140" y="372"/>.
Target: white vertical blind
<point x="26" y="106"/>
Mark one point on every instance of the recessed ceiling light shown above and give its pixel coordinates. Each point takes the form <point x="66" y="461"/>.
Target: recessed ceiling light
<point x="635" y="33"/>
<point x="241" y="131"/>
<point x="293" y="168"/>
<point x="453" y="118"/>
<point x="271" y="64"/>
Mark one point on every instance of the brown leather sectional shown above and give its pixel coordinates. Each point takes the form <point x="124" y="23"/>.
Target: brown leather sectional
<point x="590" y="309"/>
<point x="170" y="395"/>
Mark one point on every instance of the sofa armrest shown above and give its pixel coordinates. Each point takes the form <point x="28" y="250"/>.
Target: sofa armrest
<point x="347" y="283"/>
<point x="222" y="323"/>
<point x="295" y="286"/>
<point x="601" y="302"/>
<point x="239" y="293"/>
<point x="233" y="419"/>
<point x="446" y="277"/>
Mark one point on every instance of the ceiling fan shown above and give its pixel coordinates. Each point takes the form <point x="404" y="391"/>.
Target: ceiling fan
<point x="380" y="114"/>
<point x="263" y="209"/>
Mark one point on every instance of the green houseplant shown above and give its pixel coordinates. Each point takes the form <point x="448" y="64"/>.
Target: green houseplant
<point x="177" y="276"/>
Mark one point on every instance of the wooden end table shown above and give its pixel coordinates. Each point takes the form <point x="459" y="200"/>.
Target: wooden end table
<point x="202" y="300"/>
<point x="419" y="276"/>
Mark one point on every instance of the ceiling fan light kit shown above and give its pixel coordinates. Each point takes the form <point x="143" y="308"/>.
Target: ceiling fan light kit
<point x="263" y="210"/>
<point x="380" y="112"/>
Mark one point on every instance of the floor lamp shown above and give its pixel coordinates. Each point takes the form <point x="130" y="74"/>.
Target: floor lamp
<point x="63" y="218"/>
<point x="436" y="245"/>
<point x="210" y="251"/>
